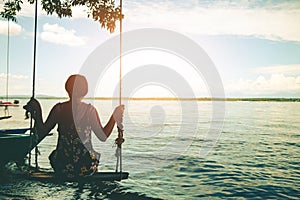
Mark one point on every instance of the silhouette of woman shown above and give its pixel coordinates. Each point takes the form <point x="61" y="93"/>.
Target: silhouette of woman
<point x="74" y="154"/>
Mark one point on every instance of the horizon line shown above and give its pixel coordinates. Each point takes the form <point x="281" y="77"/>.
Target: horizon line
<point x="295" y="99"/>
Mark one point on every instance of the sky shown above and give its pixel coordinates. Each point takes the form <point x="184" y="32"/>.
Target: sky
<point x="254" y="45"/>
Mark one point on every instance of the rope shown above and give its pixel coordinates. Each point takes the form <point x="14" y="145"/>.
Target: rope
<point x="120" y="139"/>
<point x="33" y="90"/>
<point x="120" y="78"/>
<point x="34" y="49"/>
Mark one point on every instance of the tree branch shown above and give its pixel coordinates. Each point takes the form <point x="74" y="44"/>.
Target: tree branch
<point x="103" y="11"/>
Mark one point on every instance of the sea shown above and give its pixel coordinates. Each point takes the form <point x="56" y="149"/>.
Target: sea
<point x="180" y="149"/>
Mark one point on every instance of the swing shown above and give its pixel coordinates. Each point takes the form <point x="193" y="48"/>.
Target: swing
<point x="118" y="175"/>
<point x="16" y="144"/>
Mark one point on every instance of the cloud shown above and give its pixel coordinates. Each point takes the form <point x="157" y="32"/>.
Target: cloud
<point x="14" y="29"/>
<point x="18" y="84"/>
<point x="273" y="80"/>
<point x="13" y="76"/>
<point x="280" y="69"/>
<point x="54" y="33"/>
<point x="269" y="21"/>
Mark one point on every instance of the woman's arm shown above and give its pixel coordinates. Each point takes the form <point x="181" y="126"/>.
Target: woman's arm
<point x="41" y="128"/>
<point x="51" y="120"/>
<point x="104" y="132"/>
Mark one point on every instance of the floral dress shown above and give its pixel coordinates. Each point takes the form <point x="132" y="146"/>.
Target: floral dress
<point x="74" y="155"/>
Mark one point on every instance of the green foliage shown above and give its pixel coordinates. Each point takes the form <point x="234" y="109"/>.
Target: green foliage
<point x="10" y="9"/>
<point x="103" y="11"/>
<point x="62" y="9"/>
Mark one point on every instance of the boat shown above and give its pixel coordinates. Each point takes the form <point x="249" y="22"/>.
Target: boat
<point x="14" y="131"/>
<point x="5" y="117"/>
<point x="15" y="145"/>
<point x="9" y="104"/>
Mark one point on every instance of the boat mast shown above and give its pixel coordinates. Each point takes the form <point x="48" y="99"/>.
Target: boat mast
<point x="6" y="111"/>
<point x="7" y="59"/>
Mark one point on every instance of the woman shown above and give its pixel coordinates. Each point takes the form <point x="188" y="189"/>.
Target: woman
<point x="74" y="154"/>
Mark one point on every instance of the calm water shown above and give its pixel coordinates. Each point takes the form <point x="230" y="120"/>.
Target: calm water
<point x="256" y="156"/>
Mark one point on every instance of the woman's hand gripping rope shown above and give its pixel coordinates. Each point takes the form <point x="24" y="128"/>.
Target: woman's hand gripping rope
<point x="118" y="116"/>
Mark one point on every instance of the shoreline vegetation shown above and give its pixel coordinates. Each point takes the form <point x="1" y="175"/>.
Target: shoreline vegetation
<point x="274" y="99"/>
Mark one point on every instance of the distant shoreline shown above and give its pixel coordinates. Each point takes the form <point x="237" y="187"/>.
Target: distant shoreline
<point x="275" y="99"/>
